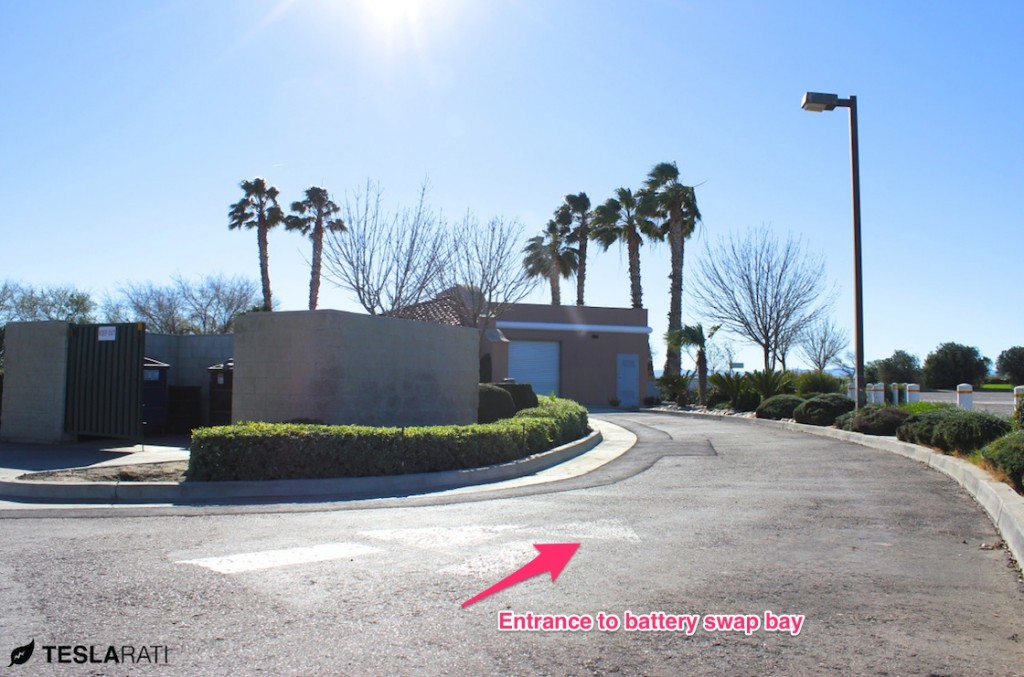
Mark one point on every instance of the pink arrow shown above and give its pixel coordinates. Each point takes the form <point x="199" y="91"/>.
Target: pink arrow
<point x="553" y="557"/>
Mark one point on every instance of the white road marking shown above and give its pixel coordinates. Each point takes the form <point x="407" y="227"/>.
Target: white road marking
<point x="503" y="547"/>
<point x="269" y="559"/>
<point x="427" y="537"/>
<point x="498" y="562"/>
<point x="601" y="530"/>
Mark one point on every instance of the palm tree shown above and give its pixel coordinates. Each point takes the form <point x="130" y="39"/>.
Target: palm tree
<point x="576" y="209"/>
<point x="628" y="218"/>
<point x="258" y="209"/>
<point x="549" y="255"/>
<point x="678" y="206"/>
<point x="693" y="335"/>
<point x="313" y="216"/>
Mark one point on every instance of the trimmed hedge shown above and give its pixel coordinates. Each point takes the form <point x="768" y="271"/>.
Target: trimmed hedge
<point x="495" y="404"/>
<point x="275" y="451"/>
<point x="778" y="407"/>
<point x="873" y="420"/>
<point x="967" y="431"/>
<point x="1007" y="454"/>
<point x="881" y="421"/>
<point x="522" y="394"/>
<point x="920" y="426"/>
<point x="823" y="410"/>
<point x="951" y="430"/>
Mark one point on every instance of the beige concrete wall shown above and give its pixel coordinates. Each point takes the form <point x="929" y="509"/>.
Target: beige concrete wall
<point x="35" y="382"/>
<point x="346" y="368"/>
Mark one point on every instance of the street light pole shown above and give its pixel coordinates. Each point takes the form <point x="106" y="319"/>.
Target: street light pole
<point x="817" y="102"/>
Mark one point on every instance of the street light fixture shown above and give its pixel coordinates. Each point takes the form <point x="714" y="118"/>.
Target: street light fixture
<point x="817" y="102"/>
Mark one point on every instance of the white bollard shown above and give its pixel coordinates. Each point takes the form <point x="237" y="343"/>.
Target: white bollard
<point x="877" y="393"/>
<point x="851" y="390"/>
<point x="965" y="396"/>
<point x="1018" y="397"/>
<point x="895" y="394"/>
<point x="913" y="392"/>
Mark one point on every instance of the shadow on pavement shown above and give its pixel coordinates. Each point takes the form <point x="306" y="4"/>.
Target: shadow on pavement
<point x="30" y="458"/>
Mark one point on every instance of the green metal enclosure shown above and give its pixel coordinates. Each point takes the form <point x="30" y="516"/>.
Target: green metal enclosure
<point x="104" y="386"/>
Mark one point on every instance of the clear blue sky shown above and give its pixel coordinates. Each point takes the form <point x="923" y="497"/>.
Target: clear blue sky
<point x="126" y="127"/>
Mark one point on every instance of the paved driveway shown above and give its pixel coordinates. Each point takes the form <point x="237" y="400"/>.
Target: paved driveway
<point x="882" y="556"/>
<point x="998" y="402"/>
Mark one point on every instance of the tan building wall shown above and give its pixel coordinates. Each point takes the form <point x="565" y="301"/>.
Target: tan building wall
<point x="590" y="338"/>
<point x="35" y="382"/>
<point x="346" y="368"/>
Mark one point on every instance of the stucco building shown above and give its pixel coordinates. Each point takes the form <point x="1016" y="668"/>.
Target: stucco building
<point x="589" y="354"/>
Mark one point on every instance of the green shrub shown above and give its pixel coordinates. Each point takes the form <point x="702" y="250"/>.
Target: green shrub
<point x="1018" y="415"/>
<point x="570" y="417"/>
<point x="1007" y="454"/>
<point x="748" y="400"/>
<point x="877" y="420"/>
<point x="811" y="383"/>
<point x="845" y="421"/>
<point x="779" y="407"/>
<point x="823" y="410"/>
<point x="730" y="387"/>
<point x="919" y="428"/>
<point x="495" y="404"/>
<point x="770" y="383"/>
<point x="966" y="431"/>
<point x="717" y="398"/>
<point x="950" y="429"/>
<point x="522" y="394"/>
<point x="273" y="451"/>
<point x="676" y="388"/>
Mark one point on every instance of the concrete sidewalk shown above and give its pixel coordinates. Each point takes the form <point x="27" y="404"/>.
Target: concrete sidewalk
<point x="18" y="459"/>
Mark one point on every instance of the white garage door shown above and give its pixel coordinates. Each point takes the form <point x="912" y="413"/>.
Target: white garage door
<point x="536" y="363"/>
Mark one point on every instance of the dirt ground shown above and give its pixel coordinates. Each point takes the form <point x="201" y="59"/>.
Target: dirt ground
<point x="168" y="471"/>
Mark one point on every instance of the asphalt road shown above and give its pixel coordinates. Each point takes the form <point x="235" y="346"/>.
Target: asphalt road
<point x="881" y="555"/>
<point x="998" y="402"/>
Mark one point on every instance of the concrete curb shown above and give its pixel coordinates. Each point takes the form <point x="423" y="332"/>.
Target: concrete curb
<point x="1004" y="506"/>
<point x="346" y="488"/>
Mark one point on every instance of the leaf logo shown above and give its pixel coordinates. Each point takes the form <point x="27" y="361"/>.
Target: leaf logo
<point x="21" y="655"/>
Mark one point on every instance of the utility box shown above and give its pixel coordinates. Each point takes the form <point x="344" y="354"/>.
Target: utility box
<point x="221" y="382"/>
<point x="154" y="395"/>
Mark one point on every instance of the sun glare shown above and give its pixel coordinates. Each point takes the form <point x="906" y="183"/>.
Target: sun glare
<point x="400" y="24"/>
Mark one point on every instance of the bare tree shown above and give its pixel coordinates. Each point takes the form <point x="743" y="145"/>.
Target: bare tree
<point x="720" y="355"/>
<point x="212" y="303"/>
<point x="762" y="289"/>
<point x="24" y="303"/>
<point x="821" y="342"/>
<point x="161" y="308"/>
<point x="388" y="259"/>
<point x="207" y="306"/>
<point x="485" y="269"/>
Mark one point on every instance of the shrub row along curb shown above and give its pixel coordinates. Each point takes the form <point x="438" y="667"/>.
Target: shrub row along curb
<point x="1004" y="506"/>
<point x="284" y="451"/>
<point x="345" y="488"/>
